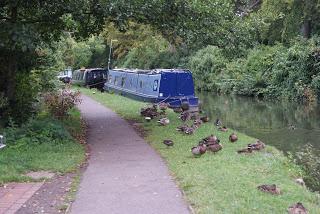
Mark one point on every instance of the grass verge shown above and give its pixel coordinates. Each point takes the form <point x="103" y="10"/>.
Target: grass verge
<point x="42" y="144"/>
<point x="225" y="182"/>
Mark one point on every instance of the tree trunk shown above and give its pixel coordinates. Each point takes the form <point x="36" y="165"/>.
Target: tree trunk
<point x="8" y="75"/>
<point x="306" y="29"/>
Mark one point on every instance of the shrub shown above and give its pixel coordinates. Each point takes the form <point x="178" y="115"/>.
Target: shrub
<point x="26" y="98"/>
<point x="208" y="65"/>
<point x="36" y="131"/>
<point x="309" y="159"/>
<point x="61" y="102"/>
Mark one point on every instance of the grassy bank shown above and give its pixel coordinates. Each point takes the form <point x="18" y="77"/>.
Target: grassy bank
<point x="225" y="182"/>
<point x="42" y="144"/>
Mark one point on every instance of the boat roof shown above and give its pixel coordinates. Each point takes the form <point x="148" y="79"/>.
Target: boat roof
<point x="152" y="71"/>
<point x="90" y="69"/>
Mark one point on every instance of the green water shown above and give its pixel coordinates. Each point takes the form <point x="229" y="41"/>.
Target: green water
<point x="287" y="126"/>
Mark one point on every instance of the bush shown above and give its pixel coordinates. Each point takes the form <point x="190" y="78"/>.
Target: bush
<point x="61" y="102"/>
<point x="309" y="159"/>
<point x="208" y="65"/>
<point x="39" y="130"/>
<point x="26" y="99"/>
<point x="267" y="71"/>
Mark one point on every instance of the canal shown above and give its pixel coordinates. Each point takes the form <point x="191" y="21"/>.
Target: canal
<point x="287" y="126"/>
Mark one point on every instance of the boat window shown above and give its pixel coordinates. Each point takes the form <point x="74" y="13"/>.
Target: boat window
<point x="141" y="84"/>
<point x="115" y="80"/>
<point x="155" y="85"/>
<point x="131" y="82"/>
<point x="123" y="79"/>
<point x="110" y="78"/>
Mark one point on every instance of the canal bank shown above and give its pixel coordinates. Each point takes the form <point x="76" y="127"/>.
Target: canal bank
<point x="222" y="182"/>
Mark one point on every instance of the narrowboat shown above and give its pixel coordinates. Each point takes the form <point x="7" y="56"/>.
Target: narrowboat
<point x="92" y="78"/>
<point x="65" y="75"/>
<point x="173" y="86"/>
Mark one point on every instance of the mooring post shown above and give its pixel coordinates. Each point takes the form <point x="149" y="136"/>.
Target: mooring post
<point x="2" y="142"/>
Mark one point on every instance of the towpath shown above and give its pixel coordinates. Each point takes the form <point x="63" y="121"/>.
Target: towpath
<point x="124" y="175"/>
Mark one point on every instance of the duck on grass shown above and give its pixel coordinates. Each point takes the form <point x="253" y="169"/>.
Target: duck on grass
<point x="224" y="181"/>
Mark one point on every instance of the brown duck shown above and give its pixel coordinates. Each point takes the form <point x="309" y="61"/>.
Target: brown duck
<point x="211" y="139"/>
<point x="258" y="145"/>
<point x="185" y="116"/>
<point x="214" y="147"/>
<point x="182" y="128"/>
<point x="204" y="119"/>
<point x="233" y="137"/>
<point x="197" y="151"/>
<point x="297" y="208"/>
<point x="190" y="130"/>
<point x="273" y="189"/>
<point x="149" y="112"/>
<point x="168" y="142"/>
<point x="197" y="122"/>
<point x="163" y="106"/>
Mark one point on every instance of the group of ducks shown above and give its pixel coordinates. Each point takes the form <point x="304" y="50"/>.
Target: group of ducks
<point x="212" y="142"/>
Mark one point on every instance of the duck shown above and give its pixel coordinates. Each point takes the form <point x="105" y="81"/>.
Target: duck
<point x="297" y="208"/>
<point x="189" y="130"/>
<point x="199" y="150"/>
<point x="185" y="116"/>
<point x="163" y="106"/>
<point x="168" y="142"/>
<point x="197" y="122"/>
<point x="292" y="127"/>
<point x="149" y="112"/>
<point x="182" y="128"/>
<point x="211" y="139"/>
<point x="204" y="119"/>
<point x="223" y="129"/>
<point x="214" y="147"/>
<point x="218" y="122"/>
<point x="233" y="137"/>
<point x="258" y="145"/>
<point x="164" y="121"/>
<point x="273" y="189"/>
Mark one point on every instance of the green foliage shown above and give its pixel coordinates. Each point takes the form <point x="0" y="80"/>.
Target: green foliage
<point x="267" y="71"/>
<point x="42" y="143"/>
<point x="78" y="54"/>
<point x="27" y="98"/>
<point x="208" y="65"/>
<point x="309" y="159"/>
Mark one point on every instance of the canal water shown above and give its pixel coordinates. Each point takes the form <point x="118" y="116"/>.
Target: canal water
<point x="287" y="126"/>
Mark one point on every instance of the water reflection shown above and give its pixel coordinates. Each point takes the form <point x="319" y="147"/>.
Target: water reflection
<point x="287" y="126"/>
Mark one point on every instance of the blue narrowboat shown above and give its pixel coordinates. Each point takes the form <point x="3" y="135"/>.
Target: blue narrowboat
<point x="173" y="86"/>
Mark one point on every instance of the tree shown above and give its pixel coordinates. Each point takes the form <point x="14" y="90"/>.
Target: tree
<point x="25" y="26"/>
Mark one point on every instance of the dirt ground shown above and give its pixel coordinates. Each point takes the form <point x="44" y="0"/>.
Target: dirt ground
<point x="51" y="197"/>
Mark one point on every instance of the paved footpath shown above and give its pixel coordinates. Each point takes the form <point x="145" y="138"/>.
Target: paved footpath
<point x="124" y="175"/>
<point x="14" y="195"/>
